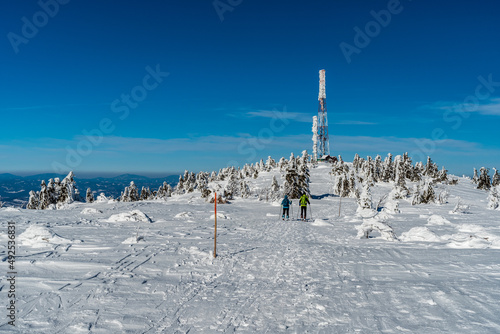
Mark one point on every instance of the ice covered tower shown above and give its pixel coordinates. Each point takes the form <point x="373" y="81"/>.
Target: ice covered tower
<point x="323" y="140"/>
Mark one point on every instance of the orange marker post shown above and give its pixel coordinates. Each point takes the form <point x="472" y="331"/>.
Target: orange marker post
<point x="215" y="233"/>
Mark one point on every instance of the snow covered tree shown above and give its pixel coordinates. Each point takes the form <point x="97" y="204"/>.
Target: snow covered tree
<point x="356" y="162"/>
<point x="400" y="190"/>
<point x="232" y="188"/>
<point x="189" y="182"/>
<point x="244" y="189"/>
<point x="416" y="196"/>
<point x="431" y="168"/>
<point x="378" y="168"/>
<point x="496" y="179"/>
<point x="475" y="178"/>
<point x="387" y="173"/>
<point x="53" y="190"/>
<point x="179" y="188"/>
<point x="365" y="199"/>
<point x="145" y="194"/>
<point x="428" y="196"/>
<point x="270" y="163"/>
<point x="33" y="202"/>
<point x="164" y="191"/>
<point x="341" y="185"/>
<point x="442" y="176"/>
<point x="133" y="192"/>
<point x="255" y="173"/>
<point x="493" y="199"/>
<point x="304" y="159"/>
<point x="484" y="179"/>
<point x="90" y="196"/>
<point x="125" y="196"/>
<point x="304" y="179"/>
<point x="291" y="186"/>
<point x="43" y="202"/>
<point x="202" y="180"/>
<point x="282" y="164"/>
<point x="353" y="186"/>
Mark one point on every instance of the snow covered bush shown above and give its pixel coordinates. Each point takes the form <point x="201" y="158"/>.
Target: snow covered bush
<point x="102" y="198"/>
<point x="460" y="208"/>
<point x="443" y="197"/>
<point x="386" y="231"/>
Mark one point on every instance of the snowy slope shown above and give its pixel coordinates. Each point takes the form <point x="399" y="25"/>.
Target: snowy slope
<point x="147" y="267"/>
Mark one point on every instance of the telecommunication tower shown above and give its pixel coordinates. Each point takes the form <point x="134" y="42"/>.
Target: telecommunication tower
<point x="323" y="140"/>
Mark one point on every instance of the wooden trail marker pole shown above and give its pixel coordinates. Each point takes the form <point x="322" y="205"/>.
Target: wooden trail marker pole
<point x="215" y="232"/>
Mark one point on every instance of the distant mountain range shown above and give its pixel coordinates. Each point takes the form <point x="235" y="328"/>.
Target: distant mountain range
<point x="14" y="189"/>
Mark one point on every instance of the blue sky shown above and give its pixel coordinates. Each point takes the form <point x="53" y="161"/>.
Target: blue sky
<point x="163" y="86"/>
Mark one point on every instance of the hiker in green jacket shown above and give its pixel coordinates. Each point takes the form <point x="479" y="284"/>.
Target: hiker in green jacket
<point x="304" y="200"/>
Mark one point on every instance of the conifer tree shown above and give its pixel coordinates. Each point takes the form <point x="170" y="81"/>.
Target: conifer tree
<point x="493" y="199"/>
<point x="442" y="176"/>
<point x="283" y="164"/>
<point x="356" y="162"/>
<point x="64" y="197"/>
<point x="428" y="196"/>
<point x="133" y="192"/>
<point x="232" y="188"/>
<point x="52" y="193"/>
<point x="341" y="185"/>
<point x="179" y="188"/>
<point x="125" y="195"/>
<point x="145" y="193"/>
<point x="44" y="197"/>
<point x="400" y="189"/>
<point x="365" y="199"/>
<point x="303" y="180"/>
<point x="244" y="189"/>
<point x="484" y="179"/>
<point x="496" y="179"/>
<point x="33" y="202"/>
<point x="416" y="196"/>
<point x="291" y="185"/>
<point x="378" y="168"/>
<point x="353" y="186"/>
<point x="387" y="173"/>
<point x="90" y="196"/>
<point x="475" y="178"/>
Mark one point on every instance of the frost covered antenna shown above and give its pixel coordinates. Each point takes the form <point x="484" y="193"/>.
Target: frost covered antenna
<point x="323" y="140"/>
<point x="315" y="138"/>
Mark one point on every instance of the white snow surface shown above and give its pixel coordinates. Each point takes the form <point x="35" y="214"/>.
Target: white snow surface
<point x="110" y="273"/>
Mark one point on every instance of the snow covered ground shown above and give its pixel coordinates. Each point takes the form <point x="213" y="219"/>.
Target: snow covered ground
<point x="147" y="267"/>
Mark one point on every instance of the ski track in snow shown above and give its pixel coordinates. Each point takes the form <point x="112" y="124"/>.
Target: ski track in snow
<point x="270" y="276"/>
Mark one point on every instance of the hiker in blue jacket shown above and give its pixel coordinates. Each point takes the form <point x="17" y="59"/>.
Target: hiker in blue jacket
<point x="285" y="203"/>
